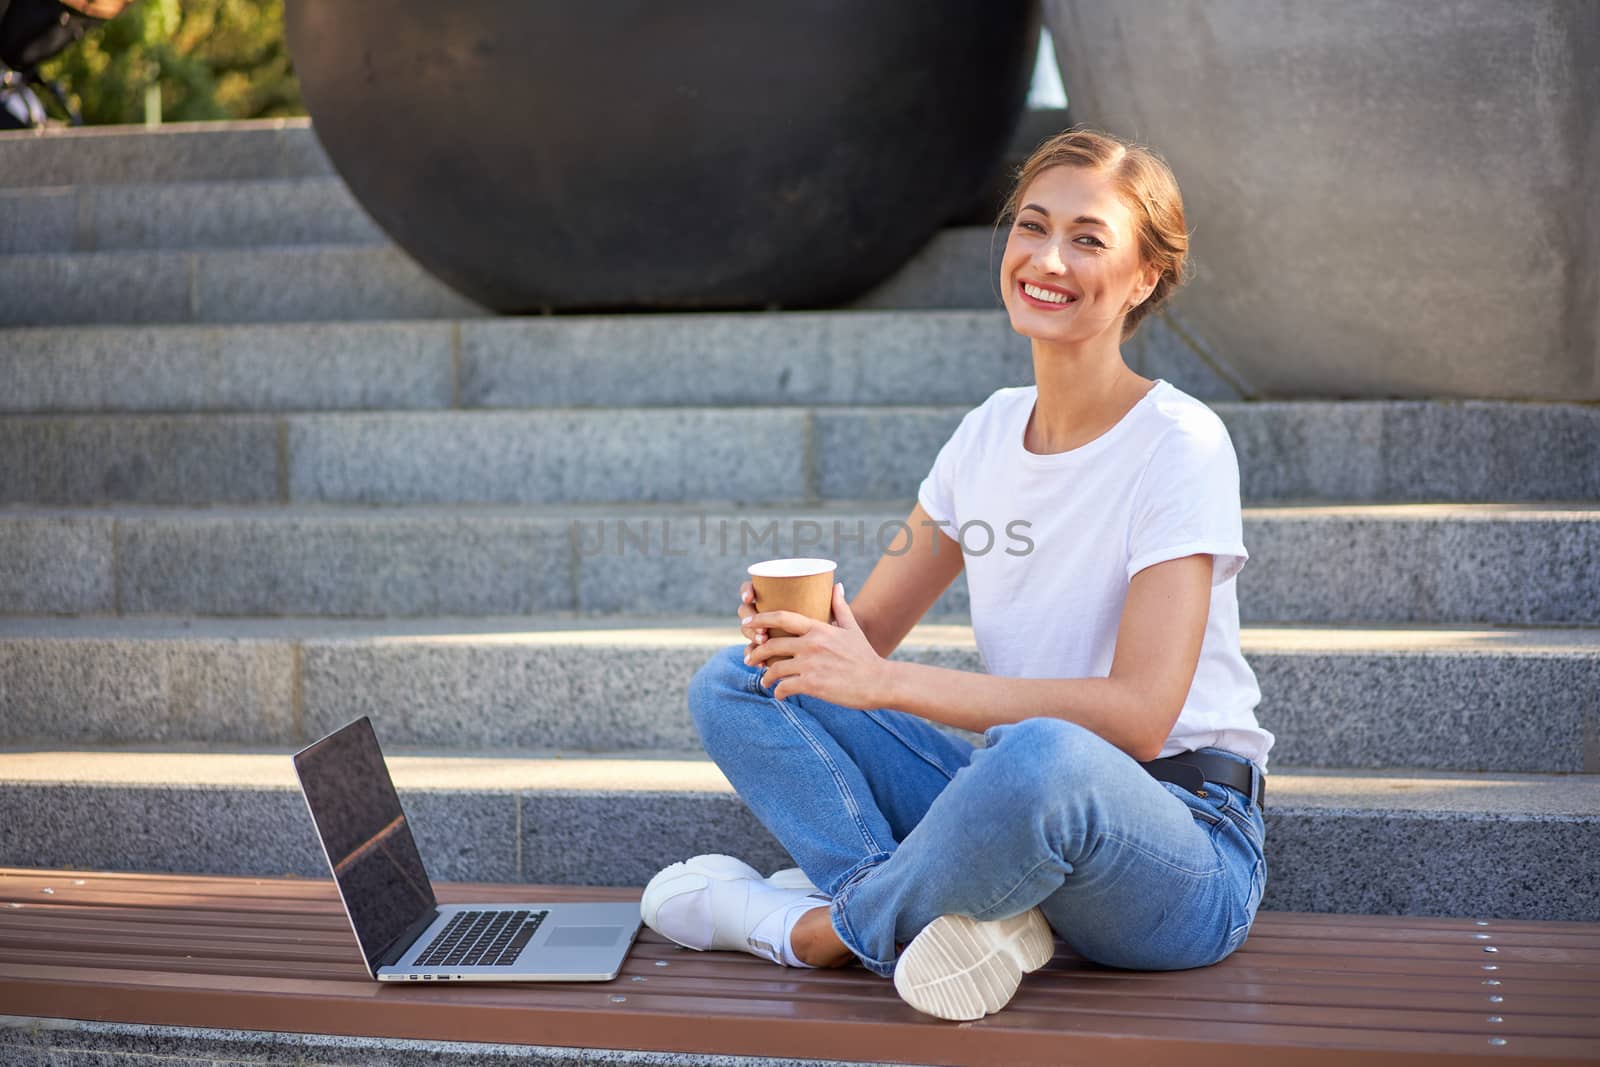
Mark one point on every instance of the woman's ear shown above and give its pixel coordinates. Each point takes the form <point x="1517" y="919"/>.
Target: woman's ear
<point x="1151" y="277"/>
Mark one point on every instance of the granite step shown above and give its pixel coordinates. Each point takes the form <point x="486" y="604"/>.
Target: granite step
<point x="297" y="199"/>
<point x="341" y="282"/>
<point x="281" y="283"/>
<point x="188" y="154"/>
<point x="1338" y="840"/>
<point x="569" y="361"/>
<point x="1514" y="700"/>
<point x="249" y="150"/>
<point x="35" y="1041"/>
<point x="109" y="218"/>
<point x="755" y="453"/>
<point x="1503" y="564"/>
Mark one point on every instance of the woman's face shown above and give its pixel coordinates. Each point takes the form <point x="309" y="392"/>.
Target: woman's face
<point x="1071" y="266"/>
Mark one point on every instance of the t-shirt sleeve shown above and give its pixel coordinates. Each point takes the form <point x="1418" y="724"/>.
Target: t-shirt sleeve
<point x="1188" y="502"/>
<point x="937" y="492"/>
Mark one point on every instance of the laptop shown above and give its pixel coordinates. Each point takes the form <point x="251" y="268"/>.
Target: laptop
<point x="404" y="933"/>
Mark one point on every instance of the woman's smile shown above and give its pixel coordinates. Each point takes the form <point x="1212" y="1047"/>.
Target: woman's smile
<point x="1046" y="296"/>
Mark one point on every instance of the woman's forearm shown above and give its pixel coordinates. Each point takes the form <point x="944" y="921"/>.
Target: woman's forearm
<point x="1114" y="708"/>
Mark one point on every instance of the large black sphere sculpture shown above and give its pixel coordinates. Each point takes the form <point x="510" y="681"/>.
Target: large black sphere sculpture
<point x="608" y="155"/>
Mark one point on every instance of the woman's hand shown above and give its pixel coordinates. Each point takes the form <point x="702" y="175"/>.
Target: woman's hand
<point x="833" y="662"/>
<point x="747" y="608"/>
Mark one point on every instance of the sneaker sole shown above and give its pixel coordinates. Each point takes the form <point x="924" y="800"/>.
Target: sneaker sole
<point x="960" y="968"/>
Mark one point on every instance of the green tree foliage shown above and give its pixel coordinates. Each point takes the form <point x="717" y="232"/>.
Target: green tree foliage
<point x="213" y="59"/>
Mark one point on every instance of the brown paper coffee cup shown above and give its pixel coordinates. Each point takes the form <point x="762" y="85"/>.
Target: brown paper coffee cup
<point x="804" y="586"/>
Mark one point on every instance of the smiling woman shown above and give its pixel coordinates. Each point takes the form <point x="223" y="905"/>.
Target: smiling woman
<point x="1116" y="800"/>
<point x="1137" y="187"/>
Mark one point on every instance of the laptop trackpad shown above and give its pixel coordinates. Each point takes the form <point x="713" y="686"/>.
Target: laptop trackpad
<point x="583" y="936"/>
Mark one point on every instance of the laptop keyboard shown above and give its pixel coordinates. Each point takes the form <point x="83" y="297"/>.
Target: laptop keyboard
<point x="481" y="939"/>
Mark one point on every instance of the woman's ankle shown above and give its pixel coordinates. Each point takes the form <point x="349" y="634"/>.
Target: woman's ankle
<point x="814" y="940"/>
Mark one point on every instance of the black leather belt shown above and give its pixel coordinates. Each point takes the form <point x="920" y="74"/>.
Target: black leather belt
<point x="1193" y="769"/>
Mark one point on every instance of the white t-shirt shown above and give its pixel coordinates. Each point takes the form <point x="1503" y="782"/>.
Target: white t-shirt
<point x="1051" y="543"/>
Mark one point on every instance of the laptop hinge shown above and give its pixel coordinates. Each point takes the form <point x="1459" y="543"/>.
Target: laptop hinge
<point x="402" y="943"/>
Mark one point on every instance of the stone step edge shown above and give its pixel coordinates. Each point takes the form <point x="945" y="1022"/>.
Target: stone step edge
<point x="1402" y="511"/>
<point x="1317" y="563"/>
<point x="700" y="631"/>
<point x="812" y="452"/>
<point x="172" y="153"/>
<point x="361" y="248"/>
<point x="466" y="411"/>
<point x="19" y="194"/>
<point x="35" y="1038"/>
<point x="618" y="683"/>
<point x="644" y="320"/>
<point x="291" y="141"/>
<point x="166" y="129"/>
<point x="1329" y="791"/>
<point x="365" y="282"/>
<point x="182" y="217"/>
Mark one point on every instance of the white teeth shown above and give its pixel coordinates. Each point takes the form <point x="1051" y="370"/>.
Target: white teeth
<point x="1045" y="294"/>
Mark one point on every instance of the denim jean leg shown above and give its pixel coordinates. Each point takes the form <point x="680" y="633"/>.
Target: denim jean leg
<point x="836" y="786"/>
<point x="1052" y="814"/>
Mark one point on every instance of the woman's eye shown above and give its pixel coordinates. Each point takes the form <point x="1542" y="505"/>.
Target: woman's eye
<point x="1027" y="225"/>
<point x="1096" y="240"/>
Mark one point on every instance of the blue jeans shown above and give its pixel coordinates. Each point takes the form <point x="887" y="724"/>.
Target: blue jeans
<point x="901" y="823"/>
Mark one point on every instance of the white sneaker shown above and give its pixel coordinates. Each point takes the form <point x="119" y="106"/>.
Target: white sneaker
<point x="960" y="968"/>
<point x="791" y="878"/>
<point x="716" y="902"/>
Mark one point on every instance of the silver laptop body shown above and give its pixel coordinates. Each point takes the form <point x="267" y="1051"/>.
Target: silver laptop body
<point x="405" y="934"/>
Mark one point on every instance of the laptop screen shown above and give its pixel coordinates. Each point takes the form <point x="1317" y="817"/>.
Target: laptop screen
<point x="364" y="832"/>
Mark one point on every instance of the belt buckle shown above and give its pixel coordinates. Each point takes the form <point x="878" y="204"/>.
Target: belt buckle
<point x="1187" y="775"/>
<point x="1257" y="787"/>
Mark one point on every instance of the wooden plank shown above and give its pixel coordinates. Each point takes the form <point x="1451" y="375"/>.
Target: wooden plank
<point x="152" y="917"/>
<point x="263" y="945"/>
<point x="241" y="925"/>
<point x="1218" y="1000"/>
<point x="136" y="949"/>
<point x="1289" y="971"/>
<point x="1232" y="977"/>
<point x="1380" y="923"/>
<point x="1284" y="927"/>
<point x="829" y="1030"/>
<point x="89" y="964"/>
<point x="292" y="892"/>
<point x="1562" y="959"/>
<point x="30" y="880"/>
<point x="733" y="983"/>
<point x="1212" y="1001"/>
<point x="1378" y="1012"/>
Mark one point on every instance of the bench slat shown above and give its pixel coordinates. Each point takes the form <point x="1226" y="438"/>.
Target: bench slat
<point x="173" y="950"/>
<point x="1067" y="994"/>
<point x="784" y="1027"/>
<point x="24" y="884"/>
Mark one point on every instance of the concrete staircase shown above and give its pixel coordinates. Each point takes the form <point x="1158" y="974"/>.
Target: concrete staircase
<point x="259" y="475"/>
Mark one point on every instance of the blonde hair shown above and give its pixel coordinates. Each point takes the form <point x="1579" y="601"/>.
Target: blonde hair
<point x="1146" y="184"/>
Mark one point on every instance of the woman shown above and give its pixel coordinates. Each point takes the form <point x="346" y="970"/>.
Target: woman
<point x="1104" y="605"/>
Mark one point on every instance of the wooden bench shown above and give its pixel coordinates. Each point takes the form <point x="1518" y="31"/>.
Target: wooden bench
<point x="1305" y="989"/>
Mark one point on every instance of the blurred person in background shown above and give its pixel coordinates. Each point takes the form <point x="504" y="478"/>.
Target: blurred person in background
<point x="32" y="31"/>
